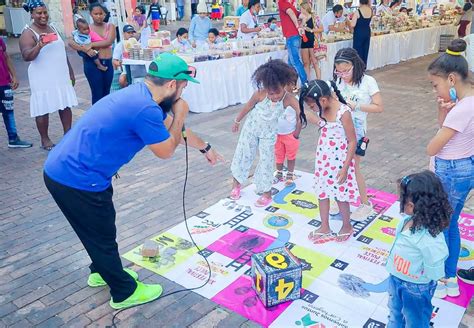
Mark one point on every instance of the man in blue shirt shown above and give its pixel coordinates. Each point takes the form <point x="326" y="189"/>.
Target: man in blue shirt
<point x="78" y="171"/>
<point x="200" y="26"/>
<point x="155" y="13"/>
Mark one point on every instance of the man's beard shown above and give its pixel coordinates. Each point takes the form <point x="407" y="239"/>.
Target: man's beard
<point x="167" y="103"/>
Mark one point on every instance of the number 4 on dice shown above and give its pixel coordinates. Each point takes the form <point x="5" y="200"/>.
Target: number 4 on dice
<point x="276" y="276"/>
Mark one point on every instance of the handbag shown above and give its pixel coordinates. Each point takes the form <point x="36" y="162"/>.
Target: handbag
<point x="320" y="49"/>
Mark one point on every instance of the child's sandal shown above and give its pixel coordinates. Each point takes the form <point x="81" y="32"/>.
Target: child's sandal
<point x="278" y="177"/>
<point x="263" y="201"/>
<point x="343" y="237"/>
<point x="290" y="178"/>
<point x="321" y="237"/>
<point x="235" y="193"/>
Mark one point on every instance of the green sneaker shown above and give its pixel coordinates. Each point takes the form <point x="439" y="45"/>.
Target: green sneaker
<point x="143" y="294"/>
<point x="95" y="280"/>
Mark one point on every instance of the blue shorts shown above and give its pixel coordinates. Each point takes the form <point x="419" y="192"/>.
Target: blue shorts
<point x="360" y="129"/>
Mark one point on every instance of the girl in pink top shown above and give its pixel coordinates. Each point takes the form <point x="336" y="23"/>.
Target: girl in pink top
<point x="453" y="147"/>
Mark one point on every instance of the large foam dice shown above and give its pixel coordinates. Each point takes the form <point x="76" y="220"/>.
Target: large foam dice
<point x="276" y="276"/>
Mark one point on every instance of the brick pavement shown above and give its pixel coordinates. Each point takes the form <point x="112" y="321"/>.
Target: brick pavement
<point x="43" y="267"/>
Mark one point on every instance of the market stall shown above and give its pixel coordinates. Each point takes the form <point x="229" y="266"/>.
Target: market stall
<point x="225" y="68"/>
<point x="392" y="48"/>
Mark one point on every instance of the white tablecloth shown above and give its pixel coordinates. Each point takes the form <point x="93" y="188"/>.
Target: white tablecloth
<point x="223" y="82"/>
<point x="392" y="48"/>
<point x="226" y="82"/>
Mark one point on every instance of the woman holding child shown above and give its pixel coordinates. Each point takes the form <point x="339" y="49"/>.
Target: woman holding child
<point x="102" y="35"/>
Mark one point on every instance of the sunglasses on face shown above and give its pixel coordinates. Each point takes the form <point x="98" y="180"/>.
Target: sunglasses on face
<point x="344" y="74"/>
<point x="191" y="71"/>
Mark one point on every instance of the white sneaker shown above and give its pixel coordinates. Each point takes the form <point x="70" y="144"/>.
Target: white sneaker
<point x="440" y="291"/>
<point x="452" y="287"/>
<point x="362" y="213"/>
<point x="334" y="208"/>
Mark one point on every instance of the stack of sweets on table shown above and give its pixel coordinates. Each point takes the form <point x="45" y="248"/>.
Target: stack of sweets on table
<point x="388" y="23"/>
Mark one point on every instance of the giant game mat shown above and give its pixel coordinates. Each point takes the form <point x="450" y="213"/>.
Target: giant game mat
<point x="344" y="284"/>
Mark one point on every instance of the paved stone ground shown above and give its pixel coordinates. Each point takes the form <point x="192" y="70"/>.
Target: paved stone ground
<point x="43" y="267"/>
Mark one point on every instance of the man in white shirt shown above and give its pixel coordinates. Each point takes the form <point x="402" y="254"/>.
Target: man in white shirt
<point x="137" y="72"/>
<point x="330" y="19"/>
<point x="383" y="7"/>
<point x="248" y="28"/>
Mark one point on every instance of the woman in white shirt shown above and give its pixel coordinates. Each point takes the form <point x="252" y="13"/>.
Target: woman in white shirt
<point x="383" y="7"/>
<point x="248" y="28"/>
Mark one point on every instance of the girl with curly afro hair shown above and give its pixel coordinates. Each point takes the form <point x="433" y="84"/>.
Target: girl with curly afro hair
<point x="259" y="132"/>
<point x="416" y="260"/>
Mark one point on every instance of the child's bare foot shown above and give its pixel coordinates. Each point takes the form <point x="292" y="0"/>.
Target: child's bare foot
<point x="344" y="234"/>
<point x="101" y="67"/>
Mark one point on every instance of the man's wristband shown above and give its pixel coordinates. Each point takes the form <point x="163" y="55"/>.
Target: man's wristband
<point x="205" y="150"/>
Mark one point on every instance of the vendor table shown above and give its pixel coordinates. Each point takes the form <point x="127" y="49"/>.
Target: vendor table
<point x="392" y="48"/>
<point x="223" y="82"/>
<point x="227" y="82"/>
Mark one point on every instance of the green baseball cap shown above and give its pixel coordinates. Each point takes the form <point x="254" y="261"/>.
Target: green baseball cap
<point x="169" y="66"/>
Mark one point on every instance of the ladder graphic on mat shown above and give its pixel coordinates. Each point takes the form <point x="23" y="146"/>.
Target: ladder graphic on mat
<point x="239" y="262"/>
<point x="238" y="219"/>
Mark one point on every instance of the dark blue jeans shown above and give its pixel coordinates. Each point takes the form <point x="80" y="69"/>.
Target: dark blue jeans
<point x="457" y="177"/>
<point x="293" y="44"/>
<point x="409" y="303"/>
<point x="86" y="56"/>
<point x="6" y="107"/>
<point x="99" y="81"/>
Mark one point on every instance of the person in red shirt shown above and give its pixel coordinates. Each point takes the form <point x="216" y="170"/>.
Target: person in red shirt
<point x="292" y="32"/>
<point x="8" y="83"/>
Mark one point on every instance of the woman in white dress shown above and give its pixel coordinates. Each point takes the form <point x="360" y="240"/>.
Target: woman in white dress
<point x="50" y="74"/>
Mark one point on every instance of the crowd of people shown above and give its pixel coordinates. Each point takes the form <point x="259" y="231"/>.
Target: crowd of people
<point x="79" y="170"/>
<point x="427" y="237"/>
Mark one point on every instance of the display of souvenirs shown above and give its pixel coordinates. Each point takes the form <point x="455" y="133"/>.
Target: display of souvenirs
<point x="387" y="23"/>
<point x="159" y="39"/>
<point x="269" y="41"/>
<point x="231" y="23"/>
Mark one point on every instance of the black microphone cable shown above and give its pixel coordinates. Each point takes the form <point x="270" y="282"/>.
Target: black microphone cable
<point x="185" y="138"/>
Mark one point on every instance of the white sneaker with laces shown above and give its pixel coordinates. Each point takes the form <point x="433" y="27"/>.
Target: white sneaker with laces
<point x="362" y="212"/>
<point x="452" y="287"/>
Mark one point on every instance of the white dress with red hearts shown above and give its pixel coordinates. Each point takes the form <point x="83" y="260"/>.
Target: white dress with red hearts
<point x="330" y="156"/>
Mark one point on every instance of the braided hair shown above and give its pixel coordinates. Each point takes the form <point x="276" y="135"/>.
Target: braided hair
<point x="431" y="206"/>
<point x="350" y="55"/>
<point x="315" y="90"/>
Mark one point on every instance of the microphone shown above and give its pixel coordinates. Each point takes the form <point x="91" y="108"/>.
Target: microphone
<point x="183" y="132"/>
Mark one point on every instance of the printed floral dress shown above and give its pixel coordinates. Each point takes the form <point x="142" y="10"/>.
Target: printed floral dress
<point x="330" y="156"/>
